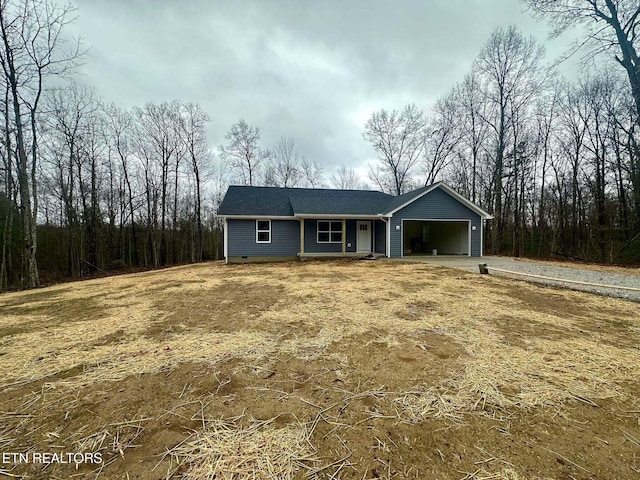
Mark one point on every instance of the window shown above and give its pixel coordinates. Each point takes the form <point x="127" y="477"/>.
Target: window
<point x="263" y="231"/>
<point x="329" y="232"/>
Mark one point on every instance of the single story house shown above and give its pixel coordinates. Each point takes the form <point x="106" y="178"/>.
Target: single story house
<point x="269" y="223"/>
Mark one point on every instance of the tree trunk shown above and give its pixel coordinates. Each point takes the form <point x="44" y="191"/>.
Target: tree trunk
<point x="30" y="276"/>
<point x="199" y="233"/>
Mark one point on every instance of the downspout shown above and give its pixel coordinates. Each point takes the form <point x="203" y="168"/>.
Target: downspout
<point x="387" y="245"/>
<point x="226" y="241"/>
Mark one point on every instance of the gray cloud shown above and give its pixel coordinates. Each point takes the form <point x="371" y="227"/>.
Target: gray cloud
<point x="310" y="70"/>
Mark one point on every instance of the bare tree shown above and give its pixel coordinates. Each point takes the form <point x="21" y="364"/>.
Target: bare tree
<point x="573" y="118"/>
<point x="628" y="158"/>
<point x="545" y="117"/>
<point x="610" y="24"/>
<point x="119" y="129"/>
<point x="398" y="138"/>
<point x="8" y="198"/>
<point x="69" y="126"/>
<point x="347" y="179"/>
<point x="158" y="145"/>
<point x="473" y="132"/>
<point x="91" y="184"/>
<point x="598" y="93"/>
<point x="219" y="185"/>
<point x="284" y="167"/>
<point x="100" y="168"/>
<point x="509" y="65"/>
<point x="519" y="171"/>
<point x="193" y="122"/>
<point x="243" y="153"/>
<point x="312" y="173"/>
<point x="32" y="49"/>
<point x="442" y="138"/>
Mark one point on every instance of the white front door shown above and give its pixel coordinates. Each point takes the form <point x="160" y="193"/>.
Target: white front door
<point x="363" y="237"/>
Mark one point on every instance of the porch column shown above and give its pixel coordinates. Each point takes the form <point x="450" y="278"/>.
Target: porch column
<point x="373" y="234"/>
<point x="301" y="236"/>
<point x="344" y="236"/>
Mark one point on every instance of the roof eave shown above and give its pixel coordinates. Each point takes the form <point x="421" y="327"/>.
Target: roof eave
<point x="252" y="217"/>
<point x="338" y="215"/>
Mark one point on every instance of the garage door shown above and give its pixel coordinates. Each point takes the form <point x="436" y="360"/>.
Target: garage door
<point x="422" y="237"/>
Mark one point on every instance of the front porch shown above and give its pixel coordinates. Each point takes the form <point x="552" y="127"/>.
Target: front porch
<point x="302" y="256"/>
<point x="342" y="237"/>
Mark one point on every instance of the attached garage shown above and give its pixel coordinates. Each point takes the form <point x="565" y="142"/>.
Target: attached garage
<point x="435" y="218"/>
<point x="439" y="237"/>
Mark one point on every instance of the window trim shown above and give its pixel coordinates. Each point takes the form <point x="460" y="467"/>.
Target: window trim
<point x="330" y="231"/>
<point x="259" y="231"/>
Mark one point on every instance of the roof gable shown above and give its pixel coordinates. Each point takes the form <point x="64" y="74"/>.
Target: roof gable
<point x="402" y="201"/>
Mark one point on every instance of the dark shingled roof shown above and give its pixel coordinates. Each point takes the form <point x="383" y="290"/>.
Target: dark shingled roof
<point x="289" y="202"/>
<point x="272" y="201"/>
<point x="268" y="201"/>
<point x="338" y="202"/>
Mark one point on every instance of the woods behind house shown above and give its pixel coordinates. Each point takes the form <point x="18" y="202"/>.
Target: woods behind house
<point x="87" y="187"/>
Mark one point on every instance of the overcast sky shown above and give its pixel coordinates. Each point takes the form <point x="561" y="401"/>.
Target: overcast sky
<point x="311" y="70"/>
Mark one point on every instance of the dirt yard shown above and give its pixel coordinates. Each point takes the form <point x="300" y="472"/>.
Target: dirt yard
<point x="320" y="370"/>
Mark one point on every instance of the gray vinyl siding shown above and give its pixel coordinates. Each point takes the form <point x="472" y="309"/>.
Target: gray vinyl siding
<point x="351" y="235"/>
<point x="285" y="239"/>
<point x="435" y="205"/>
<point x="380" y="229"/>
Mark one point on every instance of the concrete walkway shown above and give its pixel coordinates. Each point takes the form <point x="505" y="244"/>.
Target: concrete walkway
<point x="531" y="267"/>
<point x="458" y="261"/>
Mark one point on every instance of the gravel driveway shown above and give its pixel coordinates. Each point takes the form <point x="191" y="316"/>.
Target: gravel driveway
<point x="545" y="270"/>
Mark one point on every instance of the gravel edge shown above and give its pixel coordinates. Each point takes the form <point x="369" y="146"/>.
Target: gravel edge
<point x="570" y="273"/>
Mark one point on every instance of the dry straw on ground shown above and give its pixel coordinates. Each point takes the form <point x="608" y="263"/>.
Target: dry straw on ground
<point x="334" y="303"/>
<point x="128" y="357"/>
<point x="431" y="402"/>
<point x="511" y="348"/>
<point x="5" y="438"/>
<point x="541" y="373"/>
<point x="228" y="450"/>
